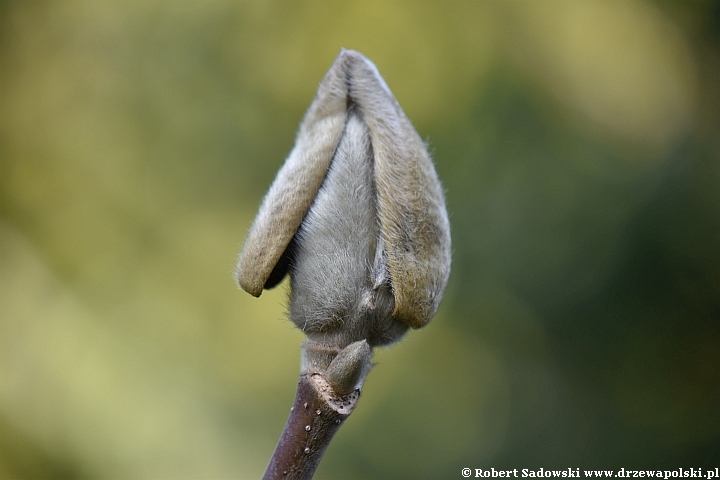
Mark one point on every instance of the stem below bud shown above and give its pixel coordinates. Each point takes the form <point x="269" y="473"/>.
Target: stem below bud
<point x="316" y="415"/>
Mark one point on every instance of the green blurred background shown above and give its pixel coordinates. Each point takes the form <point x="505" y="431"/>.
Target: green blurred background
<point x="579" y="145"/>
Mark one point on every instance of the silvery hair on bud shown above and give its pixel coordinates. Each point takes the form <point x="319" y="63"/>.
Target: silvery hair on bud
<point x="333" y="291"/>
<point x="357" y="216"/>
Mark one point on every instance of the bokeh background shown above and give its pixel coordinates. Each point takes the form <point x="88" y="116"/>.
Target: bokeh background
<point x="579" y="145"/>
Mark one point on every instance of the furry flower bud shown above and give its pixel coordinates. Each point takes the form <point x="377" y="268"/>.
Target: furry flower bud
<point x="357" y="216"/>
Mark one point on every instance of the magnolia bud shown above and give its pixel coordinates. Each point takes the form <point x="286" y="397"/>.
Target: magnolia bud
<point x="357" y="216"/>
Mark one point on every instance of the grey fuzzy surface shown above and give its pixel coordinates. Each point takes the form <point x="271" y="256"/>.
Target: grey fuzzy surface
<point x="333" y="299"/>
